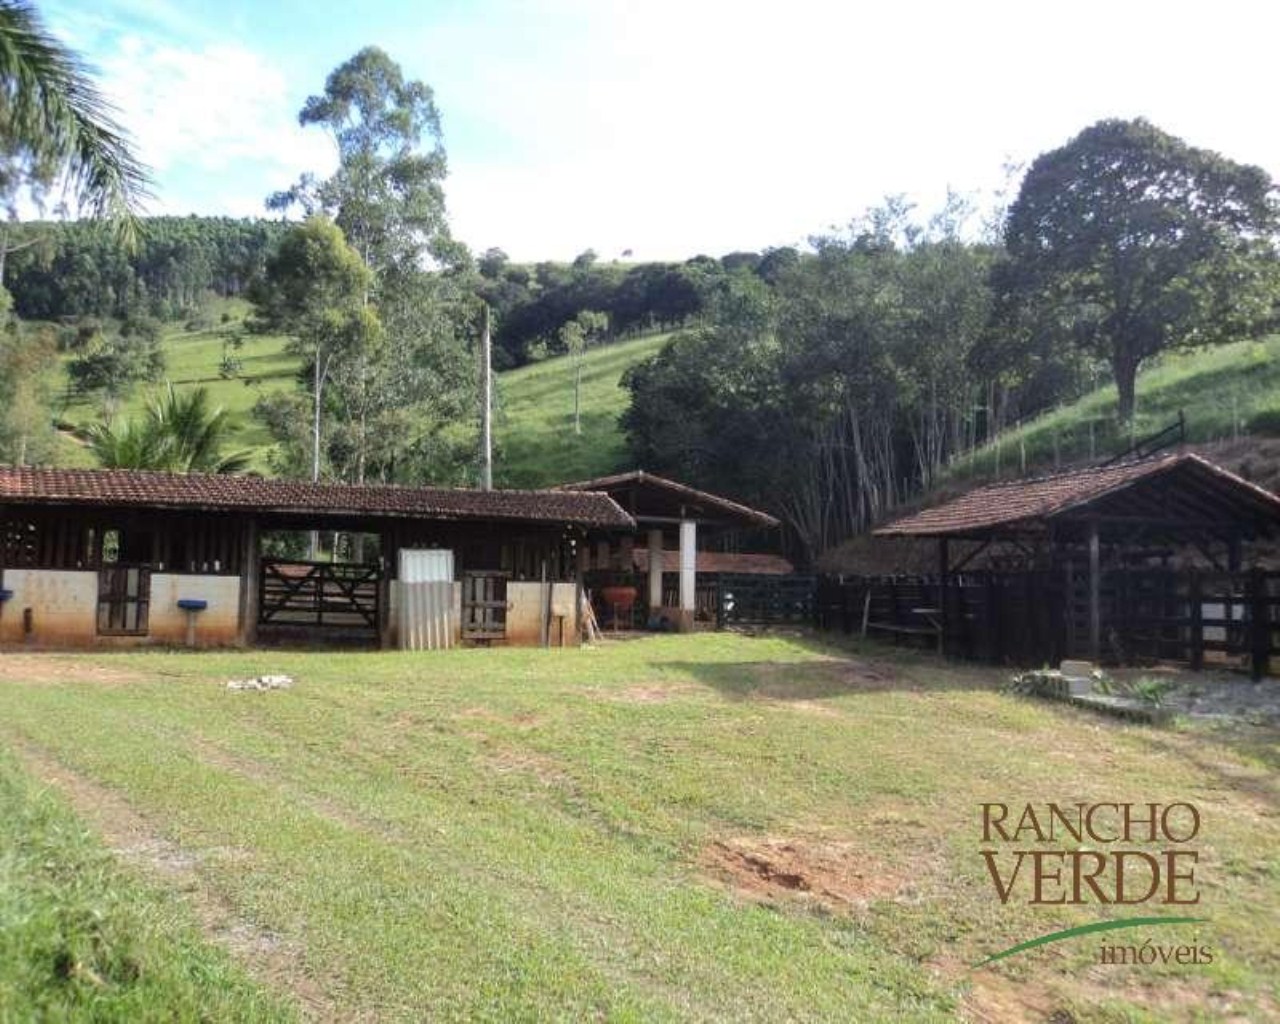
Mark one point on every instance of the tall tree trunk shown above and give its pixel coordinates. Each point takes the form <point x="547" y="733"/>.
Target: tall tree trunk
<point x="1125" y="368"/>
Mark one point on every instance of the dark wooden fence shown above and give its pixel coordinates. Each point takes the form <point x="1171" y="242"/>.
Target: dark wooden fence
<point x="750" y="599"/>
<point x="1038" y="618"/>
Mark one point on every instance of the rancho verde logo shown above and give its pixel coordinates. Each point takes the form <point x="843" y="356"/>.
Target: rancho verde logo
<point x="1104" y="854"/>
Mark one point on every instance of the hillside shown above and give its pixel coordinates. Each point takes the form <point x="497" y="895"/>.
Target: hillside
<point x="533" y="437"/>
<point x="533" y="432"/>
<point x="1229" y="394"/>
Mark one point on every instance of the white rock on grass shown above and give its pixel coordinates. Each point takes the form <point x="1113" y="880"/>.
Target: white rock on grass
<point x="261" y="683"/>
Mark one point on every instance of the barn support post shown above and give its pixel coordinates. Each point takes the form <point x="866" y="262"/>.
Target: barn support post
<point x="249" y="583"/>
<point x="1196" y="601"/>
<point x="655" y="570"/>
<point x="688" y="568"/>
<point x="943" y="562"/>
<point x="1259" y="624"/>
<point x="1095" y="592"/>
<point x="581" y="557"/>
<point x="386" y="566"/>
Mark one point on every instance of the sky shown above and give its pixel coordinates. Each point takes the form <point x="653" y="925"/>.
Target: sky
<point x="668" y="128"/>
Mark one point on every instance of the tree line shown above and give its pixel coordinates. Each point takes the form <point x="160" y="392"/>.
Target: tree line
<point x="848" y="386"/>
<point x="66" y="270"/>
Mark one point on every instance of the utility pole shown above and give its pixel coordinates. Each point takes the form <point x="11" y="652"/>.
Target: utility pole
<point x="486" y="411"/>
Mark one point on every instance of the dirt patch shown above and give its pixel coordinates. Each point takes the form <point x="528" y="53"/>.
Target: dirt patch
<point x="265" y="955"/>
<point x="44" y="669"/>
<point x="834" y="875"/>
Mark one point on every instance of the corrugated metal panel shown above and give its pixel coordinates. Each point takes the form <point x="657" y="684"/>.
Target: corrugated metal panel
<point x="427" y="614"/>
<point x="430" y="565"/>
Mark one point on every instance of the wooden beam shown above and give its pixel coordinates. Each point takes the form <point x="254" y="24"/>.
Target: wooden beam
<point x="1095" y="593"/>
<point x="942" y="595"/>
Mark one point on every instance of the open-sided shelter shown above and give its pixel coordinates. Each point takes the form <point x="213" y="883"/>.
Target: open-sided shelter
<point x="125" y="556"/>
<point x="667" y="512"/>
<point x="1082" y="523"/>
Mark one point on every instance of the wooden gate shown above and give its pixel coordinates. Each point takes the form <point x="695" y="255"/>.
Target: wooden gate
<point x="484" y="606"/>
<point x="321" y="594"/>
<point x="124" y="600"/>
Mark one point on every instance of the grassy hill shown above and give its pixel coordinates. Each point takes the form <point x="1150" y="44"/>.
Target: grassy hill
<point x="192" y="359"/>
<point x="1227" y="393"/>
<point x="533" y="431"/>
<point x="533" y="435"/>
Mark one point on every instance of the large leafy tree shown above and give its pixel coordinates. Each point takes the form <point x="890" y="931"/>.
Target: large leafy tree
<point x="1127" y="241"/>
<point x="54" y="124"/>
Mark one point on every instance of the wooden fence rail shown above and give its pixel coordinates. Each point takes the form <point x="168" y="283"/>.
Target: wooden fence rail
<point x="1040" y="617"/>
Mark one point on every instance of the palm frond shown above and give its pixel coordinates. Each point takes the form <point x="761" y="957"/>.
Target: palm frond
<point x="54" y="107"/>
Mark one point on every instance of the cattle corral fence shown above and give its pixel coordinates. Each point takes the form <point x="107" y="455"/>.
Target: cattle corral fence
<point x="1039" y="617"/>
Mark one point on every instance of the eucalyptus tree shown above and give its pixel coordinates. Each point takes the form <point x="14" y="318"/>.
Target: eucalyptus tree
<point x="387" y="196"/>
<point x="313" y="291"/>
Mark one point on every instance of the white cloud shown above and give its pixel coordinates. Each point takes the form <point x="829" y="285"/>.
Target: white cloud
<point x="213" y="122"/>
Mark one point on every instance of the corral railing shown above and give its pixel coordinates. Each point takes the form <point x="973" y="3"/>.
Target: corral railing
<point x="753" y="599"/>
<point x="319" y="594"/>
<point x="1040" y="617"/>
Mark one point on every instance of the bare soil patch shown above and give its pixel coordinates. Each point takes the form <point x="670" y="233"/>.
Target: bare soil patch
<point x="40" y="669"/>
<point x="835" y="875"/>
<point x="269" y="957"/>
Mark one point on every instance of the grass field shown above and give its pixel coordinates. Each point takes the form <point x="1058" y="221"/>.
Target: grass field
<point x="676" y="828"/>
<point x="193" y="359"/>
<point x="1226" y="392"/>
<point x="536" y="445"/>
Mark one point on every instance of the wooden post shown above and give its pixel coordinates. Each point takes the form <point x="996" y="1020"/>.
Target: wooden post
<point x="1095" y="593"/>
<point x="991" y="615"/>
<point x="1259" y="624"/>
<point x="1197" y="621"/>
<point x="655" y="571"/>
<point x="249" y="583"/>
<point x="579" y="584"/>
<point x="943" y="565"/>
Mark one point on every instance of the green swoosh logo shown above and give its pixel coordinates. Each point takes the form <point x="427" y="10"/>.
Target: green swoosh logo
<point x="1085" y="929"/>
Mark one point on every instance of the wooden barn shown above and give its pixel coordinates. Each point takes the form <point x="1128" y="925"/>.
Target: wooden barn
<point x="673" y="547"/>
<point x="1149" y="559"/>
<point x="119" y="557"/>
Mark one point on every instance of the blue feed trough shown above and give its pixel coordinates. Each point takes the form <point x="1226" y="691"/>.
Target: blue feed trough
<point x="192" y="604"/>
<point x="5" y="595"/>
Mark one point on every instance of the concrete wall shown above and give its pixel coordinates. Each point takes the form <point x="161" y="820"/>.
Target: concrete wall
<point x="64" y="607"/>
<point x="63" y="603"/>
<point x="216" y="626"/>
<point x="524" y="617"/>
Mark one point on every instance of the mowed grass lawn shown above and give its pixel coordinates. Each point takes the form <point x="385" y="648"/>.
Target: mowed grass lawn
<point x="713" y="827"/>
